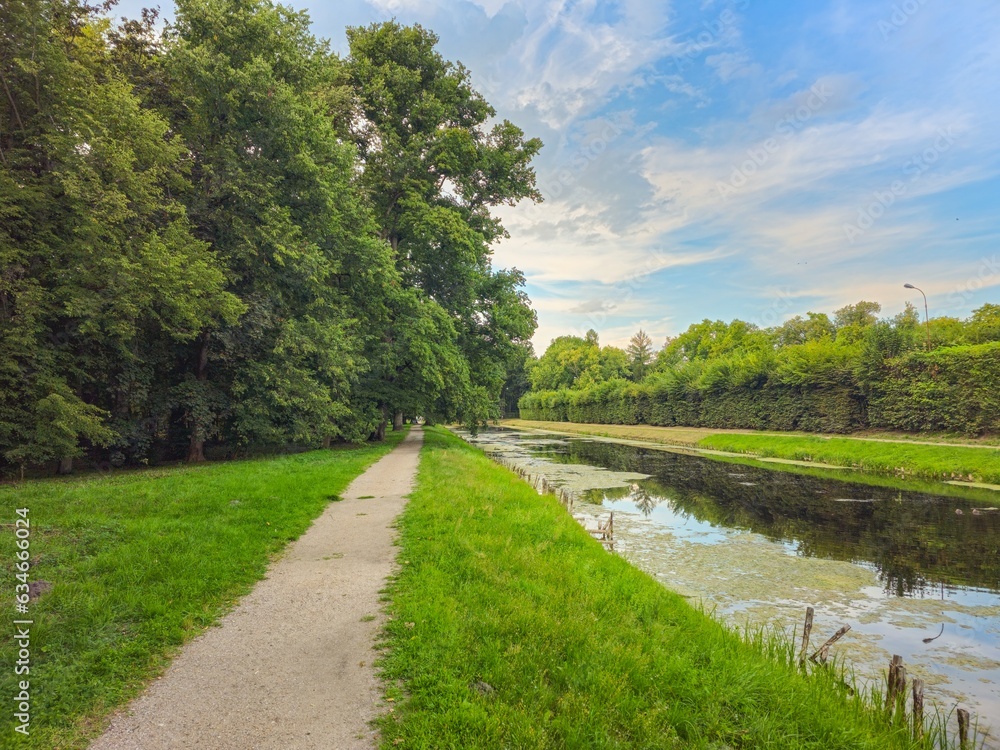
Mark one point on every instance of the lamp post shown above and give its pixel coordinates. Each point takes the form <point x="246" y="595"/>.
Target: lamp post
<point x="927" y="316"/>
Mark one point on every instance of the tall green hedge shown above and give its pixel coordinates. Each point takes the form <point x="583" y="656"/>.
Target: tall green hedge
<point x="955" y="390"/>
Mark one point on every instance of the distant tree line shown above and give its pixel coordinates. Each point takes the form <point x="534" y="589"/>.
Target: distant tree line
<point x="815" y="373"/>
<point x="223" y="233"/>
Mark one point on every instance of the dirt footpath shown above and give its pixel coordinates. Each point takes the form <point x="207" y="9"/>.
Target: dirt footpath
<point x="291" y="667"/>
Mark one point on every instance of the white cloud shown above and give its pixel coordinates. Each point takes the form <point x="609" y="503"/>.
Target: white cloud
<point x="568" y="65"/>
<point x="731" y="65"/>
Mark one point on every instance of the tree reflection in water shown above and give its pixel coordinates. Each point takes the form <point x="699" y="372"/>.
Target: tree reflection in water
<point x="643" y="499"/>
<point x="916" y="541"/>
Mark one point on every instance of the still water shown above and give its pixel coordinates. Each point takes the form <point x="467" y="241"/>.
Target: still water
<point x="758" y="545"/>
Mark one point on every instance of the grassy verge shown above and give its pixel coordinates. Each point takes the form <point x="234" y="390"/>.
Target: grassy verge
<point x="141" y="562"/>
<point x="691" y="435"/>
<point x="511" y="627"/>
<point x="666" y="435"/>
<point x="901" y="459"/>
<point x="878" y="455"/>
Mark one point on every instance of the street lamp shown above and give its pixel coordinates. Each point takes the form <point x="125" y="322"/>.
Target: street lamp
<point x="927" y="317"/>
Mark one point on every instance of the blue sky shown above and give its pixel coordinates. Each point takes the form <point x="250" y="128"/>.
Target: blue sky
<point x="753" y="159"/>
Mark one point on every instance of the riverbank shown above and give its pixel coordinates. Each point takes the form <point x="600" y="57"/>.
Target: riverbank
<point x="965" y="463"/>
<point x="511" y="627"/>
<point x="133" y="565"/>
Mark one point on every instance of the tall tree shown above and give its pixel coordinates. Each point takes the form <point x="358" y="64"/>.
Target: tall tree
<point x="574" y="362"/>
<point x="640" y="355"/>
<point x="251" y="92"/>
<point x="101" y="269"/>
<point x="984" y="324"/>
<point x="799" y="330"/>
<point x="433" y="172"/>
<point x="860" y="315"/>
<point x="518" y="382"/>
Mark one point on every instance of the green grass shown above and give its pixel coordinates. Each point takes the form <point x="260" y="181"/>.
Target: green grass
<point x="140" y="563"/>
<point x="900" y="459"/>
<point x="500" y="587"/>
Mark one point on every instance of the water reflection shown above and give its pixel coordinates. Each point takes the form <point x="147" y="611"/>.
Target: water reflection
<point x="915" y="541"/>
<point x="757" y="544"/>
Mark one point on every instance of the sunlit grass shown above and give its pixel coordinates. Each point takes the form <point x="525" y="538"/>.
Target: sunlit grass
<point x="143" y="561"/>
<point x="511" y="627"/>
<point x="667" y="435"/>
<point x="900" y="459"/>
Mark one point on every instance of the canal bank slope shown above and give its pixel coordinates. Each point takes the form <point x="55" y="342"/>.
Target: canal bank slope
<point x="511" y="627"/>
<point x="962" y="463"/>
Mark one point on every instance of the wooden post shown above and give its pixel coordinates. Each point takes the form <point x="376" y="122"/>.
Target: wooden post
<point x="918" y="708"/>
<point x="900" y="699"/>
<point x="963" y="727"/>
<point x="893" y="682"/>
<point x="806" y="630"/>
<point x="824" y="650"/>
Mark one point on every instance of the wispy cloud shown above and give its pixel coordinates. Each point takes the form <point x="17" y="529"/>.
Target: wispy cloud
<point x="735" y="143"/>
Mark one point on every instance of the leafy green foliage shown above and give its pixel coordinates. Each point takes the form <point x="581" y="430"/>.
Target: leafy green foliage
<point x="225" y="232"/>
<point x="433" y="171"/>
<point x="808" y="374"/>
<point x="102" y="268"/>
<point x="574" y="362"/>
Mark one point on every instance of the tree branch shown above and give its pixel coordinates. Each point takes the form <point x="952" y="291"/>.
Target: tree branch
<point x="13" y="104"/>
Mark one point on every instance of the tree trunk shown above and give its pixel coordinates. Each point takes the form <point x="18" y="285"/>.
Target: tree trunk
<point x="397" y="421"/>
<point x="327" y="441"/>
<point x="196" y="449"/>
<point x="380" y="430"/>
<point x="65" y="465"/>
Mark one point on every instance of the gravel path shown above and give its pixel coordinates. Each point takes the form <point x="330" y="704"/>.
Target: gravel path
<point x="291" y="666"/>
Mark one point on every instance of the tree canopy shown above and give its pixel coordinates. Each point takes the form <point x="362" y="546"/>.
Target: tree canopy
<point x="851" y="348"/>
<point x="810" y="373"/>
<point x="225" y="233"/>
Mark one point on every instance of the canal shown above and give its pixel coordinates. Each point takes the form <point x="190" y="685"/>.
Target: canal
<point x="913" y="573"/>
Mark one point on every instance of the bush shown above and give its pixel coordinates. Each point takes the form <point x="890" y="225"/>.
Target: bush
<point x="955" y="389"/>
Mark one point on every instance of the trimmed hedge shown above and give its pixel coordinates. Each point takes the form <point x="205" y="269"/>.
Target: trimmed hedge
<point x="954" y="390"/>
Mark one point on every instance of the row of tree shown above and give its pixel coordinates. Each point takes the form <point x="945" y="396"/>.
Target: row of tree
<point x="224" y="232"/>
<point x="815" y="372"/>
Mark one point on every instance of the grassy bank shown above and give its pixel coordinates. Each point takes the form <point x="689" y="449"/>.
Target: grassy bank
<point x="666" y="435"/>
<point x="141" y="562"/>
<point x="883" y="454"/>
<point x="941" y="462"/>
<point x="511" y="627"/>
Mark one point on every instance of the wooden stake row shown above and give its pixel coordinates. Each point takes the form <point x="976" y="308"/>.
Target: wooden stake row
<point x="605" y="532"/>
<point x="895" y="688"/>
